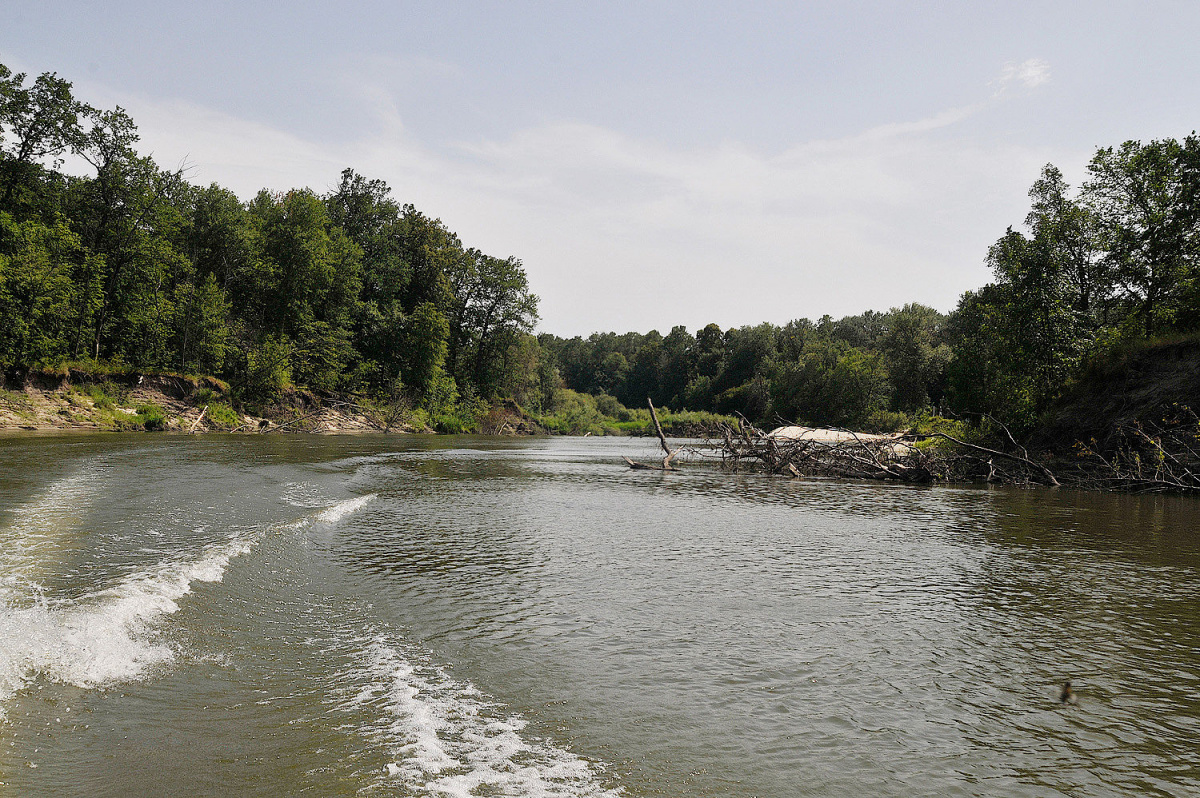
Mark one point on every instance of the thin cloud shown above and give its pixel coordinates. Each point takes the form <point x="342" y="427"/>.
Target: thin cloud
<point x="1031" y="73"/>
<point x="940" y="120"/>
<point x="893" y="214"/>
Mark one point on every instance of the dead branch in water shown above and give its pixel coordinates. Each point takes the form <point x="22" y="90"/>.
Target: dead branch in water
<point x="1149" y="456"/>
<point x="199" y="418"/>
<point x="669" y="455"/>
<point x="843" y="455"/>
<point x="299" y="419"/>
<point x="1046" y="473"/>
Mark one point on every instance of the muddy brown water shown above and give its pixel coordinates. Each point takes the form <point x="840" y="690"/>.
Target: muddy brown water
<point x="465" y="616"/>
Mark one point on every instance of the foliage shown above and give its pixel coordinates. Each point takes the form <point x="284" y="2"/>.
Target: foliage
<point x="223" y="415"/>
<point x="1095" y="269"/>
<point x="103" y="394"/>
<point x="151" y="416"/>
<point x="349" y="292"/>
<point x="576" y="414"/>
<point x="130" y="267"/>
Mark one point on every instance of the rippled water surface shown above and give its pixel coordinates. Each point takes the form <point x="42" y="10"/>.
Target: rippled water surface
<point x="460" y="616"/>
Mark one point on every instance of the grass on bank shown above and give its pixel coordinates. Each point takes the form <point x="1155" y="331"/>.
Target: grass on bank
<point x="582" y="414"/>
<point x="107" y="408"/>
<point x="102" y="393"/>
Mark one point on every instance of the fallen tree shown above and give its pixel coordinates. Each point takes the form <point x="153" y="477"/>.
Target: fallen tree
<point x="1138" y="455"/>
<point x="1144" y="456"/>
<point x="913" y="458"/>
<point x="844" y="454"/>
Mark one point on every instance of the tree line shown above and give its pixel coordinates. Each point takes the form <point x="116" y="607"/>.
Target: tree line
<point x="1112" y="264"/>
<point x="131" y="264"/>
<point x="118" y="261"/>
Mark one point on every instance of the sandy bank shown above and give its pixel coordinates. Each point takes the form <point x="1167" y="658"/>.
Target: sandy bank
<point x="71" y="406"/>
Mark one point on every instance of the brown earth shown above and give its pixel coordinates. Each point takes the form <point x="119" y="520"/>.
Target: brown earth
<point x="1141" y="385"/>
<point x="508" y="418"/>
<point x="38" y="401"/>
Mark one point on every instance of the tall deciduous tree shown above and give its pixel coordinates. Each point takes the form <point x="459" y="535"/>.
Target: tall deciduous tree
<point x="1143" y="198"/>
<point x="41" y="288"/>
<point x="36" y="121"/>
<point x="490" y="310"/>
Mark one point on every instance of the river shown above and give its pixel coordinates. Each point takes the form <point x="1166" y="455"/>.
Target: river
<point x="411" y="616"/>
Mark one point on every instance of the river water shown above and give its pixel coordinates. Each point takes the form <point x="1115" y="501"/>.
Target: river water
<point x="418" y="616"/>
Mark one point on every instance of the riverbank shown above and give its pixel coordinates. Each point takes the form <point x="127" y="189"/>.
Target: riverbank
<point x="171" y="403"/>
<point x="118" y="400"/>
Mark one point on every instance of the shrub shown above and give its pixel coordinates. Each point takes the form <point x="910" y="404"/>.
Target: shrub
<point x="886" y="421"/>
<point x="151" y="417"/>
<point x="461" y="418"/>
<point x="223" y="415"/>
<point x="102" y="394"/>
<point x="609" y="406"/>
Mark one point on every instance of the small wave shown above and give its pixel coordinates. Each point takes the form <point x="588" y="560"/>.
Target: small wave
<point x="342" y="509"/>
<point x="40" y="528"/>
<point x="108" y="636"/>
<point x="302" y="494"/>
<point x="449" y="740"/>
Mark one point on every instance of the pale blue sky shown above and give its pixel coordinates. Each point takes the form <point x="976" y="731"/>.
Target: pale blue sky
<point x="651" y="163"/>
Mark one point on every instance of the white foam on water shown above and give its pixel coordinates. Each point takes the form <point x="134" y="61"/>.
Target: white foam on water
<point x="40" y="529"/>
<point x="342" y="509"/>
<point x="108" y="636"/>
<point x="447" y="739"/>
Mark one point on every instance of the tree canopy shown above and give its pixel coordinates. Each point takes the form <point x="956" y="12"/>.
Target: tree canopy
<point x="129" y="263"/>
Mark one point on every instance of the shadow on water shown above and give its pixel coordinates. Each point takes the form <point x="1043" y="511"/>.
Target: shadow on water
<point x="1151" y="528"/>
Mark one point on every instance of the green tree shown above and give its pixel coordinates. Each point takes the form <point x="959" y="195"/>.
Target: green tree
<point x="40" y="289"/>
<point x="985" y="374"/>
<point x="491" y="309"/>
<point x="201" y="326"/>
<point x="36" y="121"/>
<point x="710" y="351"/>
<point x="1142" y="196"/>
<point x="643" y="378"/>
<point x="1067" y="231"/>
<point x="222" y="240"/>
<point x="916" y="357"/>
<point x="833" y="383"/>
<point x="425" y="343"/>
<point x="678" y="366"/>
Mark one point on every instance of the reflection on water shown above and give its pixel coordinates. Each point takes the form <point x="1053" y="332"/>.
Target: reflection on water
<point x="471" y="616"/>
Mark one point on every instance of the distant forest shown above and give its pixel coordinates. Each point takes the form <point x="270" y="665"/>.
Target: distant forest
<point x="351" y="292"/>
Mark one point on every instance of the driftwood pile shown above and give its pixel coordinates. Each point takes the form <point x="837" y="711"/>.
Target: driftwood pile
<point x="847" y="455"/>
<point x="900" y="458"/>
<point x="1139" y="456"/>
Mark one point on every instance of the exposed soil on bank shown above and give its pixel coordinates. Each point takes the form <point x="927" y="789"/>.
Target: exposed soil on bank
<point x="1143" y="385"/>
<point x="130" y="402"/>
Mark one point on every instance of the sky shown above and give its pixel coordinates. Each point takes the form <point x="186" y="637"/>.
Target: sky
<point x="650" y="163"/>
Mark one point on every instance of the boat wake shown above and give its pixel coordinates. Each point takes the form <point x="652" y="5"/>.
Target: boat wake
<point x="39" y="531"/>
<point x="337" y="512"/>
<point x="107" y="636"/>
<point x="447" y="739"/>
<point x="111" y="635"/>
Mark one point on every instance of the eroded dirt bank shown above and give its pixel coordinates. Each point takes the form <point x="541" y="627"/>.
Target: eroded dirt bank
<point x="165" y="402"/>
